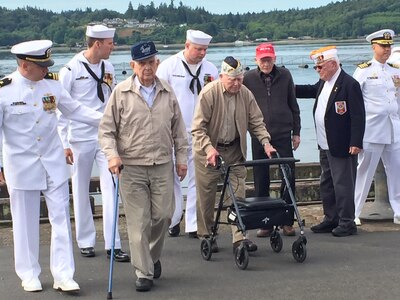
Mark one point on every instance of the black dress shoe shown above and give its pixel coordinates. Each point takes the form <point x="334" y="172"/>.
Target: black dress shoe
<point x="143" y="284"/>
<point x="193" y="235"/>
<point x="157" y="269"/>
<point x="251" y="247"/>
<point x="88" y="252"/>
<point x="174" y="231"/>
<point x="344" y="231"/>
<point x="324" y="227"/>
<point x="119" y="255"/>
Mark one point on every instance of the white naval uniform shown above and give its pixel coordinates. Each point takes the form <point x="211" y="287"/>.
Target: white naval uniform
<point x="34" y="162"/>
<point x="83" y="140"/>
<point x="173" y="71"/>
<point x="382" y="131"/>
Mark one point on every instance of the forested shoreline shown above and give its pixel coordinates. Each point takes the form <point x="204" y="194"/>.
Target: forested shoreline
<point x="340" y="20"/>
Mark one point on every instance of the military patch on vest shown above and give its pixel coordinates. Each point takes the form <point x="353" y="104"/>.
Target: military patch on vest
<point x="397" y="66"/>
<point x="51" y="75"/>
<point x="340" y="107"/>
<point x="364" y="65"/>
<point x="5" y="81"/>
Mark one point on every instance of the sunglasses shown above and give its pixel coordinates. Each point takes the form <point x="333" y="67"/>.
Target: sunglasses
<point x="319" y="67"/>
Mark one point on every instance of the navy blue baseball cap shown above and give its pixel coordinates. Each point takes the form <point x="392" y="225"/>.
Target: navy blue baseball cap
<point x="143" y="50"/>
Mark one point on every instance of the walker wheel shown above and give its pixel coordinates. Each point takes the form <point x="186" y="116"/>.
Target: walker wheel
<point x="242" y="256"/>
<point x="276" y="241"/>
<point x="205" y="249"/>
<point x="299" y="250"/>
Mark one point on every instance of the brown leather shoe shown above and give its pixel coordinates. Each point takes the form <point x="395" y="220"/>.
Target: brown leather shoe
<point x="288" y="230"/>
<point x="264" y="232"/>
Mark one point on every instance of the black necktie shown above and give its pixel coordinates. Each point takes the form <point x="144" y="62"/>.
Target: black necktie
<point x="195" y="78"/>
<point x="99" y="81"/>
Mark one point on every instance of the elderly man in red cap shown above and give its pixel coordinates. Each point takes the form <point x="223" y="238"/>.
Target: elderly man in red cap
<point x="380" y="85"/>
<point x="225" y="111"/>
<point x="273" y="89"/>
<point x="339" y="117"/>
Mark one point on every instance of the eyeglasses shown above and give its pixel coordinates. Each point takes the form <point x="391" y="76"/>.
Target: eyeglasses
<point x="266" y="60"/>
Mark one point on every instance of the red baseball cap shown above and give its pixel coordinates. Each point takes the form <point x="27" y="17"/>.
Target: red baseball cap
<point x="265" y="50"/>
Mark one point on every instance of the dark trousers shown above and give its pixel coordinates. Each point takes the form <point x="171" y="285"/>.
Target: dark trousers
<point x="261" y="173"/>
<point x="337" y="185"/>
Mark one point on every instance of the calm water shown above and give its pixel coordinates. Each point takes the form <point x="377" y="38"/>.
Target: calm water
<point x="292" y="56"/>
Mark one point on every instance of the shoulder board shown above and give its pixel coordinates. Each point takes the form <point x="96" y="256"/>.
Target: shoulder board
<point x="51" y="75"/>
<point x="5" y="81"/>
<point x="397" y="66"/>
<point x="364" y="65"/>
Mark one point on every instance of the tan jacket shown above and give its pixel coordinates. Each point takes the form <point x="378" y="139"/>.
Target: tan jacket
<point x="208" y="118"/>
<point x="140" y="135"/>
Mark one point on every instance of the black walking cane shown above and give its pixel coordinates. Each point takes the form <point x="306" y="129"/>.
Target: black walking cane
<point x="115" y="179"/>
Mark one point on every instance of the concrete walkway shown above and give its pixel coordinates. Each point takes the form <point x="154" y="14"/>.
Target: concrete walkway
<point x="365" y="266"/>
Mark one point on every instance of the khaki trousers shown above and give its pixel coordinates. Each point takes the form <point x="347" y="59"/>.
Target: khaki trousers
<point x="147" y="195"/>
<point x="206" y="188"/>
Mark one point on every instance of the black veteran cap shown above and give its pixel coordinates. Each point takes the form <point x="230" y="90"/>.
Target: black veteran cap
<point x="37" y="51"/>
<point x="382" y="37"/>
<point x="143" y="50"/>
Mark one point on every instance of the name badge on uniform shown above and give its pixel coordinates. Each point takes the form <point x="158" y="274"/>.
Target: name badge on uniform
<point x="340" y="107"/>
<point x="18" y="103"/>
<point x="396" y="80"/>
<point x="49" y="103"/>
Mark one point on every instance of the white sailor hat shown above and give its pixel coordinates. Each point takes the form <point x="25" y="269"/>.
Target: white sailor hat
<point x="100" y="32"/>
<point x="324" y="54"/>
<point x="37" y="51"/>
<point x="198" y="37"/>
<point x="382" y="37"/>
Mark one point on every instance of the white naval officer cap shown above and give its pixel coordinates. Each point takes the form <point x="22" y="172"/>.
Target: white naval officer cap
<point x="382" y="37"/>
<point x="100" y="32"/>
<point x="37" y="51"/>
<point x="198" y="37"/>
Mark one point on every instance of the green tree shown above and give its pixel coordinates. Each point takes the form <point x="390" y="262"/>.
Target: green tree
<point x="129" y="14"/>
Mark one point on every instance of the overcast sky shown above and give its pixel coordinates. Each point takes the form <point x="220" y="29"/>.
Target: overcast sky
<point x="213" y="6"/>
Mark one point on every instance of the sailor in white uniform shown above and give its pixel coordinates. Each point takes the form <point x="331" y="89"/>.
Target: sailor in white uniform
<point x="187" y="72"/>
<point x="90" y="78"/>
<point x="380" y="85"/>
<point x="34" y="162"/>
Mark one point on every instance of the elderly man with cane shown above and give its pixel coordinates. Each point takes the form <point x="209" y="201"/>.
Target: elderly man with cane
<point x="141" y="126"/>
